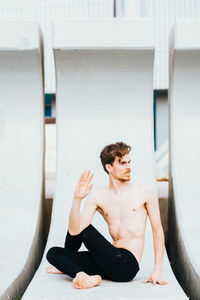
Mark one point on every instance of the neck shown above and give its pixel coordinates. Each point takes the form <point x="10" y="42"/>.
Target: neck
<point x="117" y="185"/>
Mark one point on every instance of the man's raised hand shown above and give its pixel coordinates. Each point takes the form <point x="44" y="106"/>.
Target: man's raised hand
<point x="83" y="187"/>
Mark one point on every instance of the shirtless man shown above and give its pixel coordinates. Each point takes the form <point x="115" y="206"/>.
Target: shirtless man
<point x="124" y="206"/>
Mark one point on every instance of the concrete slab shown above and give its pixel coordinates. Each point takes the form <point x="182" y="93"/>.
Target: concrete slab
<point x="21" y="156"/>
<point x="184" y="221"/>
<point x="104" y="94"/>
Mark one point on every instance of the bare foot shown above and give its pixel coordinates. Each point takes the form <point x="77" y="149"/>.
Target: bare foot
<point x="53" y="270"/>
<point x="84" y="281"/>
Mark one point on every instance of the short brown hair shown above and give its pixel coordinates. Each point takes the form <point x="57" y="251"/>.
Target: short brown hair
<point x="109" y="153"/>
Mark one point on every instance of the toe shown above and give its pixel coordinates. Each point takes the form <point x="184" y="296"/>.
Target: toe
<point x="76" y="286"/>
<point x="75" y="280"/>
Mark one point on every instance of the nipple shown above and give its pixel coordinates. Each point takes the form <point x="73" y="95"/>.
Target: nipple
<point x="106" y="214"/>
<point x="134" y="209"/>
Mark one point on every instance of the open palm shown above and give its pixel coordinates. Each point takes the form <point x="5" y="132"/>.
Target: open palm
<point x="83" y="187"/>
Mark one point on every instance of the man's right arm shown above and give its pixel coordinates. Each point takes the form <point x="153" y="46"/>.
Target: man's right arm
<point x="77" y="221"/>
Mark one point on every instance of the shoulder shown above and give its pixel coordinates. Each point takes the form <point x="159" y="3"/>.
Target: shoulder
<point x="94" y="195"/>
<point x="148" y="191"/>
<point x="148" y="188"/>
<point x="143" y="187"/>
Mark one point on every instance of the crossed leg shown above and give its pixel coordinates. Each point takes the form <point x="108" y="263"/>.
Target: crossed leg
<point x="87" y="268"/>
<point x="79" y="265"/>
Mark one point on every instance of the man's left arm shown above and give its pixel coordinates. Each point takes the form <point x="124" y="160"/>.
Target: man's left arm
<point x="153" y="211"/>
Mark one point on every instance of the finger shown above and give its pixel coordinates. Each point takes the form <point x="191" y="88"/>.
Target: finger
<point x="154" y="282"/>
<point x="90" y="186"/>
<point x="147" y="280"/>
<point x="90" y="178"/>
<point x="159" y="282"/>
<point x="162" y="282"/>
<point x="87" y="174"/>
<point x="82" y="176"/>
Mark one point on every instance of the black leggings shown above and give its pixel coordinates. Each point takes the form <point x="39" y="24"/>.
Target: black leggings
<point x="116" y="264"/>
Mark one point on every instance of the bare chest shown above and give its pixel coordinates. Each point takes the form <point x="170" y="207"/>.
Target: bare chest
<point x="122" y="210"/>
<point x="126" y="217"/>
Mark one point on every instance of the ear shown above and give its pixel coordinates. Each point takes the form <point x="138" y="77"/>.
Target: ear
<point x="108" y="168"/>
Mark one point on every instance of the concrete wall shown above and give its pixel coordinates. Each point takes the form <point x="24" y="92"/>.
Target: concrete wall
<point x="184" y="221"/>
<point x="21" y="156"/>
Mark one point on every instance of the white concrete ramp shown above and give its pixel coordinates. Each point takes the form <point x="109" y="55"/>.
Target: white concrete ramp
<point x="21" y="156"/>
<point x="184" y="219"/>
<point x="104" y="94"/>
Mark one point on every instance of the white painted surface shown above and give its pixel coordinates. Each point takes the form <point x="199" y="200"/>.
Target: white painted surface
<point x="185" y="149"/>
<point x="122" y="35"/>
<point x="21" y="155"/>
<point x="45" y="12"/>
<point x="19" y="36"/>
<point x="101" y="99"/>
<point x="165" y="13"/>
<point x="132" y="8"/>
<point x="187" y="35"/>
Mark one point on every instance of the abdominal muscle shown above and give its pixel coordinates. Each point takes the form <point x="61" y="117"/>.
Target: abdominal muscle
<point x="135" y="246"/>
<point x="124" y="238"/>
<point x="126" y="222"/>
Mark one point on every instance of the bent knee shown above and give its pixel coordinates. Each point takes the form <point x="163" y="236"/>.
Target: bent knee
<point x="52" y="253"/>
<point x="87" y="230"/>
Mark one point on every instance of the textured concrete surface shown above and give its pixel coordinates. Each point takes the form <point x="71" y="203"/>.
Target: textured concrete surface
<point x="184" y="194"/>
<point x="104" y="94"/>
<point x="21" y="156"/>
